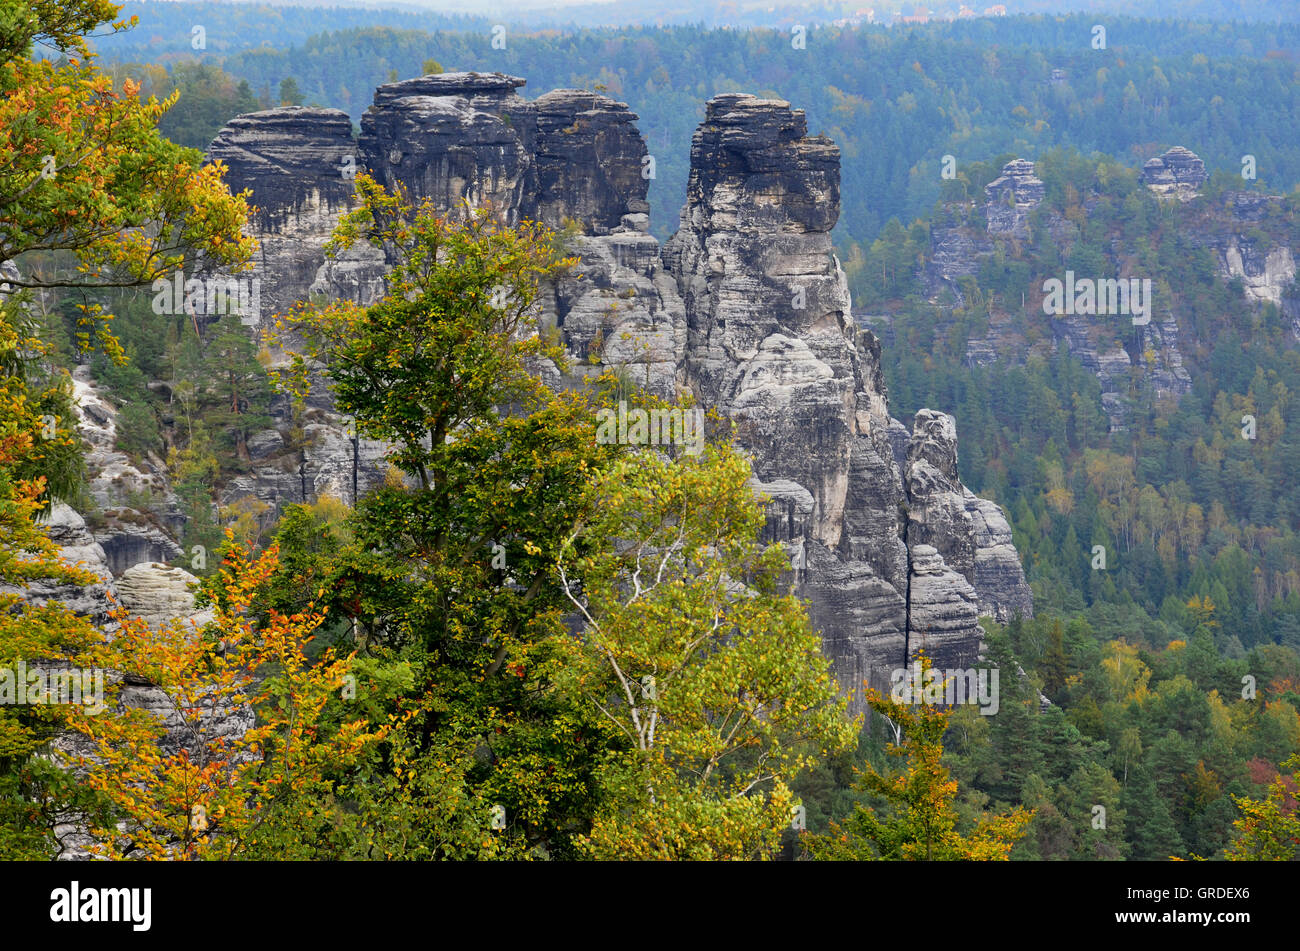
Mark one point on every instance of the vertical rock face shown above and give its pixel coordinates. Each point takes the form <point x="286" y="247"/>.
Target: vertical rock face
<point x="769" y="339"/>
<point x="469" y="137"/>
<point x="883" y="544"/>
<point x="126" y="534"/>
<point x="1178" y="173"/>
<point x="452" y="138"/>
<point x="299" y="164"/>
<point x="568" y="158"/>
<point x="1267" y="272"/>
<point x="937" y="515"/>
<point x="589" y="161"/>
<point x="953" y="254"/>
<point x="999" y="579"/>
<point x="1011" y="197"/>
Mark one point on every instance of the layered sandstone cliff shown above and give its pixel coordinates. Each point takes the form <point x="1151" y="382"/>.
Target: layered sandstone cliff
<point x="746" y="308"/>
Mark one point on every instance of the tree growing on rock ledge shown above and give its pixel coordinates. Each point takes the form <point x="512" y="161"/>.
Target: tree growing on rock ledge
<point x="185" y="778"/>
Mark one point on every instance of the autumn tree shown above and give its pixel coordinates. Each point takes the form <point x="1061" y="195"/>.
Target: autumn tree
<point x="234" y="758"/>
<point x="447" y="571"/>
<point x="86" y="176"/>
<point x="84" y="169"/>
<point x="83" y="172"/>
<point x="31" y="789"/>
<point x="917" y="820"/>
<point x="1269" y="828"/>
<point x="713" y="677"/>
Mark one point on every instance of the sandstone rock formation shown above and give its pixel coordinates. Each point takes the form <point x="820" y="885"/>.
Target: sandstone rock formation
<point x="956" y="250"/>
<point x="1178" y="173"/>
<point x="300" y="164"/>
<point x="1231" y="231"/>
<point x="137" y="515"/>
<point x="567" y="158"/>
<point x="771" y="345"/>
<point x="159" y="594"/>
<point x="1011" y="197"/>
<point x="77" y="547"/>
<point x="746" y="307"/>
<point x="470" y="137"/>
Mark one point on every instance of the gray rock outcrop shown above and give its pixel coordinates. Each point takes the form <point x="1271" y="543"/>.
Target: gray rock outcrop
<point x="470" y="137"/>
<point x="876" y="520"/>
<point x="137" y="515"/>
<point x="1011" y="197"/>
<point x="1178" y="173"/>
<point x="300" y="165"/>
<point x="77" y="548"/>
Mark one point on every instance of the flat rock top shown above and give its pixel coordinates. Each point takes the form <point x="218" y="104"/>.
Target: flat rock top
<point x="450" y="84"/>
<point x="1180" y="164"/>
<point x="724" y="102"/>
<point x="1181" y="156"/>
<point x="745" y="110"/>
<point x="289" y="115"/>
<point x="579" y="100"/>
<point x="1018" y="175"/>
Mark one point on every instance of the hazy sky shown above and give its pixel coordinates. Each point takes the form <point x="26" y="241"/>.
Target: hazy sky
<point x="477" y="6"/>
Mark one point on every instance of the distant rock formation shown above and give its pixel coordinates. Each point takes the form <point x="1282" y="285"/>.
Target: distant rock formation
<point x="956" y="250"/>
<point x="1011" y="197"/>
<point x="1230" y="230"/>
<point x="1178" y="173"/>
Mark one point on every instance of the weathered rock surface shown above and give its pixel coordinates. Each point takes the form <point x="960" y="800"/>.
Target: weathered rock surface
<point x="77" y="547"/>
<point x="138" y="515"/>
<point x="589" y="161"/>
<point x="771" y="344"/>
<point x="1011" y="197"/>
<point x="1266" y="269"/>
<point x="1178" y="173"/>
<point x="300" y="165"/>
<point x="999" y="579"/>
<point x="452" y="138"/>
<point x="159" y="593"/>
<point x="470" y="137"/>
<point x="954" y="253"/>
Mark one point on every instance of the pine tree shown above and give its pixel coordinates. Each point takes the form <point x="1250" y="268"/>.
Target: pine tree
<point x="1151" y="831"/>
<point x="234" y="388"/>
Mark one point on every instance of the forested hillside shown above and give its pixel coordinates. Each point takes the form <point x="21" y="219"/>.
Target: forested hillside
<point x="440" y="613"/>
<point x="972" y="90"/>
